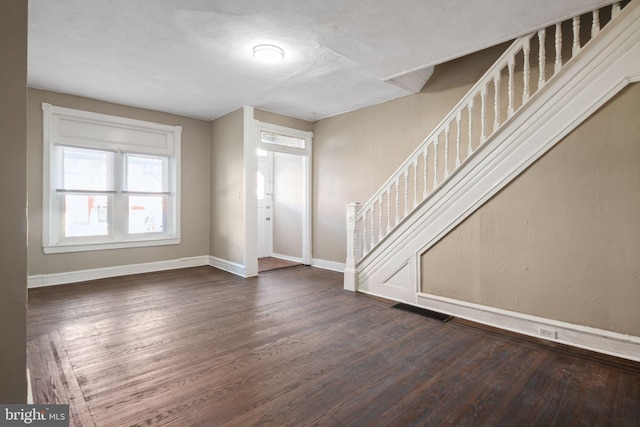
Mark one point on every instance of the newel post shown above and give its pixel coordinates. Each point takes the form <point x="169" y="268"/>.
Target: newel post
<point x="350" y="277"/>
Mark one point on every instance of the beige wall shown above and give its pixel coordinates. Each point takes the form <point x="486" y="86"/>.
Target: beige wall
<point x="195" y="192"/>
<point x="227" y="207"/>
<point x="355" y="153"/>
<point x="280" y="120"/>
<point x="563" y="240"/>
<point x="13" y="190"/>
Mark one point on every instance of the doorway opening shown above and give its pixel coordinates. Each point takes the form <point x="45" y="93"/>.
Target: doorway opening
<point x="283" y="197"/>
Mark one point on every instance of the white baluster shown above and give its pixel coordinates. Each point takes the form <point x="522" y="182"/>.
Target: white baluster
<point x="406" y="193"/>
<point x="483" y="98"/>
<point x="558" y="63"/>
<point x="541" y="58"/>
<point x="576" y="36"/>
<point x="496" y="100"/>
<point x="397" y="201"/>
<point x="435" y="162"/>
<point x="446" y="152"/>
<point x="389" y="209"/>
<point x="511" y="65"/>
<point x="365" y="247"/>
<point x="615" y="10"/>
<point x="458" y="118"/>
<point x="425" y="156"/>
<point x="526" y="49"/>
<point x="380" y="233"/>
<point x="373" y="225"/>
<point x="415" y="182"/>
<point x="470" y="109"/>
<point x="595" y="26"/>
<point x="350" y="280"/>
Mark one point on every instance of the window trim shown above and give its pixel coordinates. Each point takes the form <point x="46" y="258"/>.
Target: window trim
<point x="70" y="127"/>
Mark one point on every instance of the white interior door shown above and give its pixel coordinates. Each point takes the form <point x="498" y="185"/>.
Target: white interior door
<point x="265" y="204"/>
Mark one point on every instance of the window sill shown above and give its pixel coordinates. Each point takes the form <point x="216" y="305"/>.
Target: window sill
<point x="85" y="247"/>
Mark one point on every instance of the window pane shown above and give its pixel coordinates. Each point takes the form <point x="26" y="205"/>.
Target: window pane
<point x="146" y="214"/>
<point x="146" y="173"/>
<point x="286" y="141"/>
<point x="86" y="215"/>
<point x="85" y="169"/>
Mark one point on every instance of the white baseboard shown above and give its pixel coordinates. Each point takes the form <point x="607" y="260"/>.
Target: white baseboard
<point x="40" y="280"/>
<point x="328" y="265"/>
<point x="231" y="267"/>
<point x="588" y="338"/>
<point x="287" y="257"/>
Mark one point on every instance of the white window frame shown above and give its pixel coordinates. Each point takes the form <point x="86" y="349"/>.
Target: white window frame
<point x="83" y="129"/>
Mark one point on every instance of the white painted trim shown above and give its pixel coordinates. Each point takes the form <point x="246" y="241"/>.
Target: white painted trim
<point x="29" y="389"/>
<point x="231" y="267"/>
<point x="285" y="131"/>
<point x="132" y="136"/>
<point x="328" y="265"/>
<point x="588" y="338"/>
<point x="249" y="199"/>
<point x="306" y="153"/>
<point x="287" y="257"/>
<point x="40" y="280"/>
<point x="67" y="248"/>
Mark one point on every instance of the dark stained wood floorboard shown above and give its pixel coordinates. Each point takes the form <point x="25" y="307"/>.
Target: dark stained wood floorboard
<point x="201" y="347"/>
<point x="271" y="263"/>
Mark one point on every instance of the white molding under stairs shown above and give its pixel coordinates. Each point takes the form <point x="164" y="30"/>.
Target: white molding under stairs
<point x="390" y="266"/>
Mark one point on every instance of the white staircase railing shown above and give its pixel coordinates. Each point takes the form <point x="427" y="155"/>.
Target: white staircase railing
<point x="516" y="77"/>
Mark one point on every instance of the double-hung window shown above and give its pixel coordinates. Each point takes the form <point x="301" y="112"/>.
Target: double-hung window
<point x="109" y="182"/>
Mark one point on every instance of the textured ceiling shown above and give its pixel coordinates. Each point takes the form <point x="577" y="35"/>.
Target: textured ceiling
<point x="194" y="57"/>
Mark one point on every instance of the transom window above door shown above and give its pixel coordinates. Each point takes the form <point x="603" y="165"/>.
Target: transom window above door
<point x="283" y="140"/>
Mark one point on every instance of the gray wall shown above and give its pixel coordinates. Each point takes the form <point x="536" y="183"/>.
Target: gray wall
<point x="13" y="191"/>
<point x="195" y="191"/>
<point x="562" y="241"/>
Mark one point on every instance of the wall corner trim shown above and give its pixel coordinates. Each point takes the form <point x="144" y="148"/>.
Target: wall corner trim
<point x="228" y="266"/>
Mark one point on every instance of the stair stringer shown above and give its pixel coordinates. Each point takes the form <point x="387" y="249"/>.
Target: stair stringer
<point x="603" y="68"/>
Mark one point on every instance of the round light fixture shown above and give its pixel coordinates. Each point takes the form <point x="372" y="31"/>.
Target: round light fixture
<point x="268" y="53"/>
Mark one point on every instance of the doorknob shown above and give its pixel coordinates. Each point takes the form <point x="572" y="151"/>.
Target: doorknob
<point x="267" y="219"/>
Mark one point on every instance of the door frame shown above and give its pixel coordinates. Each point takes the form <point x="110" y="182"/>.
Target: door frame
<point x="252" y="167"/>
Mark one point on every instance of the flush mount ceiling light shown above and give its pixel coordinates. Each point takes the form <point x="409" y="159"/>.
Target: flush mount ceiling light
<point x="268" y="53"/>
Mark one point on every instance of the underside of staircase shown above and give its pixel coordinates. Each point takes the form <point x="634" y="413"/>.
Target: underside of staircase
<point x="505" y="123"/>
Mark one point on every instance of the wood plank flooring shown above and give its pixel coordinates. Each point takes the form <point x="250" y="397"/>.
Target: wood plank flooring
<point x="271" y="263"/>
<point x="201" y="347"/>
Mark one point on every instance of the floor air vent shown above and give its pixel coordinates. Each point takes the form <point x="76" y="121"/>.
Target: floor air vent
<point x="423" y="312"/>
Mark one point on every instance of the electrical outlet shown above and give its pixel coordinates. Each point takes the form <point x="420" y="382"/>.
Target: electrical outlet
<point x="548" y="333"/>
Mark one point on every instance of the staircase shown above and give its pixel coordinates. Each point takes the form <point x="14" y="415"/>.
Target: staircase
<point x="538" y="91"/>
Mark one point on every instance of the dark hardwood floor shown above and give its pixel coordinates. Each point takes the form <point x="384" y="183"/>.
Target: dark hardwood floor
<point x="271" y="263"/>
<point x="201" y="347"/>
